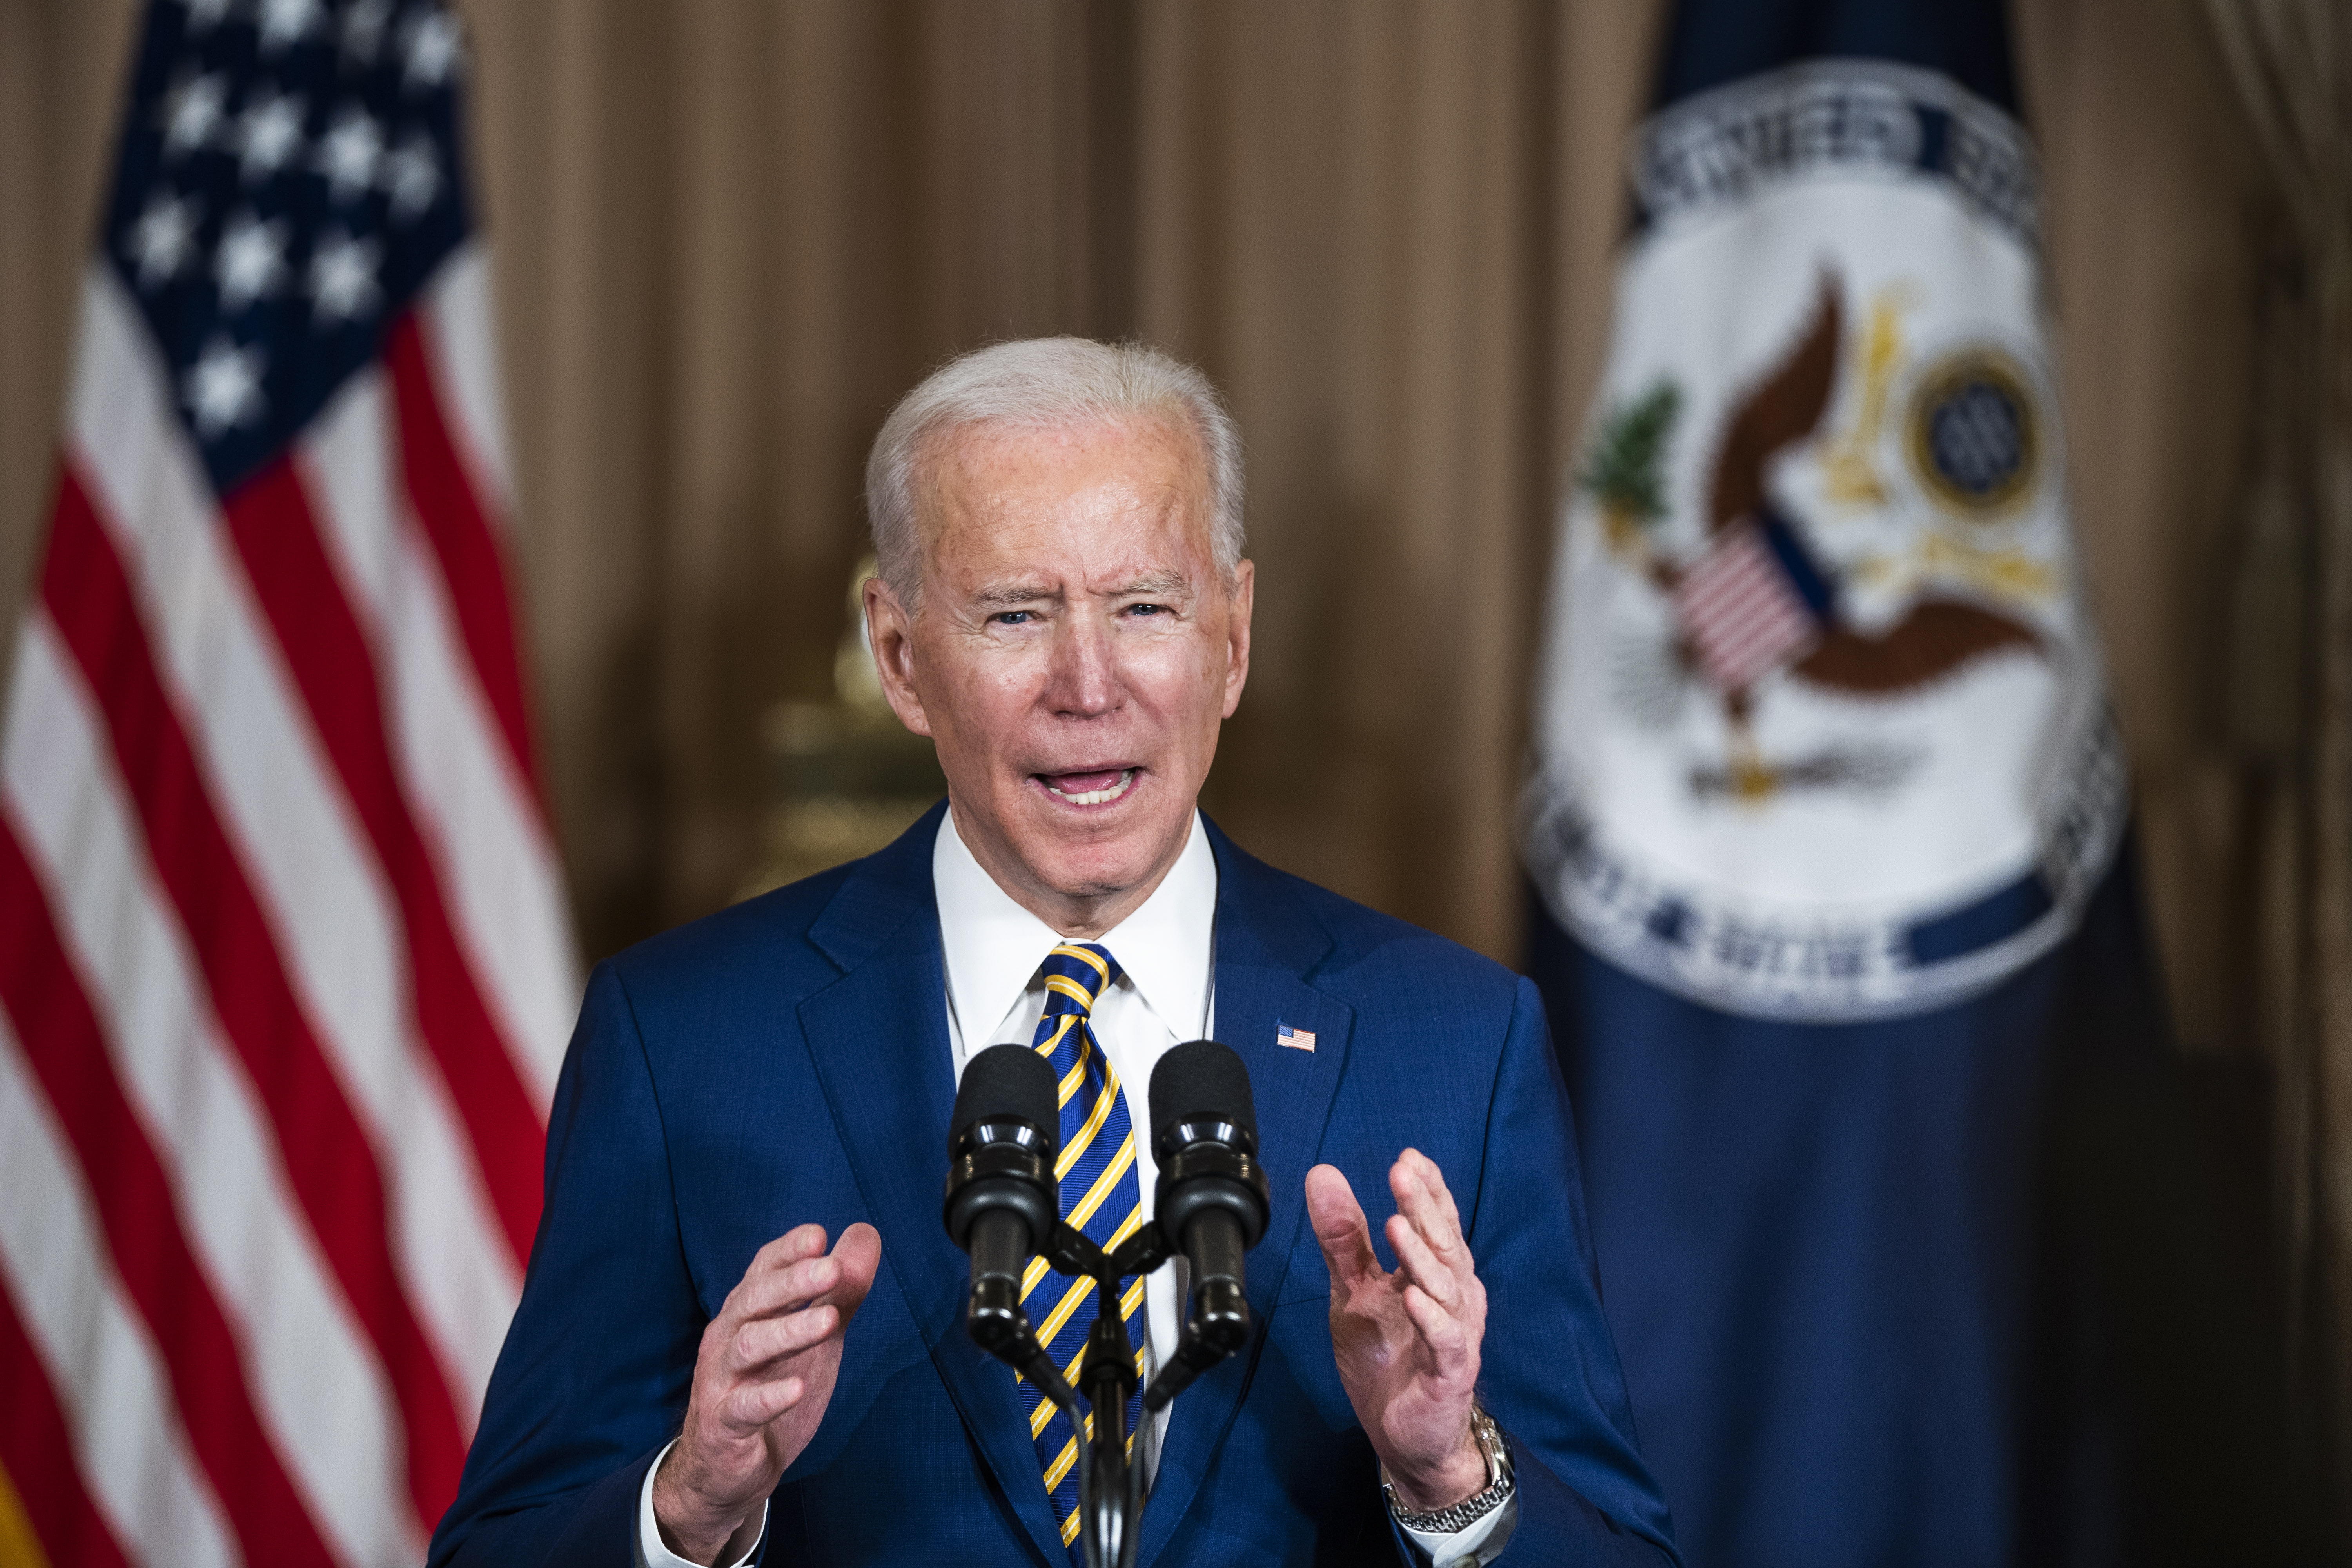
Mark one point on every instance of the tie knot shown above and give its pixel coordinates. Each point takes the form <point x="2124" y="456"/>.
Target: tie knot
<point x="1075" y="974"/>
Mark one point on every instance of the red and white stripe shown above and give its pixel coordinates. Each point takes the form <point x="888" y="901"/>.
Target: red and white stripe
<point x="285" y="975"/>
<point x="1739" y="615"/>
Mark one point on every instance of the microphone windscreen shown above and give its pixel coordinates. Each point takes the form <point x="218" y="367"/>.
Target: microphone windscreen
<point x="1008" y="1083"/>
<point x="1201" y="1081"/>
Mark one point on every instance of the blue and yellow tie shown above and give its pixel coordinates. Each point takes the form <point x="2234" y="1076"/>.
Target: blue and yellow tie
<point x="1100" y="1195"/>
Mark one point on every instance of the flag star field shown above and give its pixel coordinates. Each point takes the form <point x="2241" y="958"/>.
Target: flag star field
<point x="288" y="179"/>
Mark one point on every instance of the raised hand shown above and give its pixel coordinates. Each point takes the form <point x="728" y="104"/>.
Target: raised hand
<point x="762" y="1379"/>
<point x="1407" y="1341"/>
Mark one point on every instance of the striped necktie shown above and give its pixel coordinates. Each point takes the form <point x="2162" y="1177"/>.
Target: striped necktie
<point x="1100" y="1195"/>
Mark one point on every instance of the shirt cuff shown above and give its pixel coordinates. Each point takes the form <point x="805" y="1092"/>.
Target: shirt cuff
<point x="652" y="1553"/>
<point x="1480" y="1543"/>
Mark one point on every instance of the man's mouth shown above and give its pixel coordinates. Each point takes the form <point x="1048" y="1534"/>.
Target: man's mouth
<point x="1098" y="787"/>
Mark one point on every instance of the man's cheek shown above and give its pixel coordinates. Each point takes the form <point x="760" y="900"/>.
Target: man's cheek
<point x="1169" y="667"/>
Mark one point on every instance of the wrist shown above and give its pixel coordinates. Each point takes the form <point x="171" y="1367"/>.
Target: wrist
<point x="689" y="1523"/>
<point x="1462" y="1474"/>
<point x="1452" y="1518"/>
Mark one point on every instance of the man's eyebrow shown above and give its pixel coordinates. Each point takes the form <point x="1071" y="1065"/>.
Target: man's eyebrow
<point x="1150" y="585"/>
<point x="998" y="594"/>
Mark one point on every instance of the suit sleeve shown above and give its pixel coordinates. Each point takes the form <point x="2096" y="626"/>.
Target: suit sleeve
<point x="1550" y="1373"/>
<point x="593" y="1376"/>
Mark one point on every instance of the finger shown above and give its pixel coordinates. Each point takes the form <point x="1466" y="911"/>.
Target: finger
<point x="1434" y="1180"/>
<point x="1422" y="1197"/>
<point x="1420" y="1265"/>
<point x="755" y="1293"/>
<point x="786" y="1289"/>
<point x="1340" y="1227"/>
<point x="801" y="1241"/>
<point x="751" y="1406"/>
<point x="758" y="1344"/>
<point x="1450" y="1351"/>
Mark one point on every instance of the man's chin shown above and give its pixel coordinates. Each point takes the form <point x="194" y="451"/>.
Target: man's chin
<point x="1094" y="872"/>
<point x="1096" y="852"/>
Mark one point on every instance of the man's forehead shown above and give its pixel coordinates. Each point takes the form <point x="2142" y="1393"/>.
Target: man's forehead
<point x="1109" y="506"/>
<point x="973" y="463"/>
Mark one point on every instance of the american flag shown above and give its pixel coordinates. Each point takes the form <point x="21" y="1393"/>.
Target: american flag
<point x="1740" y="612"/>
<point x="284" y="973"/>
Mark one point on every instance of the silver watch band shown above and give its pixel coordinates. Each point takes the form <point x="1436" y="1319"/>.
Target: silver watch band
<point x="1461" y="1516"/>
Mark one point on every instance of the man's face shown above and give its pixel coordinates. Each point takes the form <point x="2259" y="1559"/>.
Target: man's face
<point x="1073" y="654"/>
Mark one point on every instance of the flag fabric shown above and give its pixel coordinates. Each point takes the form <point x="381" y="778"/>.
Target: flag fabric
<point x="285" y="977"/>
<point x="1827" y="811"/>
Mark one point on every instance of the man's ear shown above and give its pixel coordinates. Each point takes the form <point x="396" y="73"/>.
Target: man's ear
<point x="1237" y="633"/>
<point x="890" y="633"/>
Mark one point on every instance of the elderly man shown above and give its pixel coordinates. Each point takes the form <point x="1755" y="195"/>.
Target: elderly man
<point x="741" y="1338"/>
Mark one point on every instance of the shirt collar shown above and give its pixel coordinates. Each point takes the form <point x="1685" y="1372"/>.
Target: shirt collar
<point x="993" y="946"/>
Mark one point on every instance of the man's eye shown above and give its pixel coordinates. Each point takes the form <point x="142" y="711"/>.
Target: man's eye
<point x="1013" y="617"/>
<point x="1147" y="609"/>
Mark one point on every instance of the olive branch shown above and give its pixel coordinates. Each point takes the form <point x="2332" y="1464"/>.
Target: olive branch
<point x="1625" y="470"/>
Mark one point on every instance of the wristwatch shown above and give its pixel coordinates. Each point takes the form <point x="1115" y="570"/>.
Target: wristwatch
<point x="1461" y="1515"/>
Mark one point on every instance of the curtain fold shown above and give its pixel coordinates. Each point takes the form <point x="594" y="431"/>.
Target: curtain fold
<point x="2291" y="63"/>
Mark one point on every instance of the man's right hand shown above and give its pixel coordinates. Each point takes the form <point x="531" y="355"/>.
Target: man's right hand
<point x="761" y="1380"/>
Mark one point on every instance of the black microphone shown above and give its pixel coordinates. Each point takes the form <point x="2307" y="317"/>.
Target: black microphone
<point x="1001" y="1201"/>
<point x="1211" y="1200"/>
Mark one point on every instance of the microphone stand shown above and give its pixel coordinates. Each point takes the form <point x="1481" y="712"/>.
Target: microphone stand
<point x="1110" y="1486"/>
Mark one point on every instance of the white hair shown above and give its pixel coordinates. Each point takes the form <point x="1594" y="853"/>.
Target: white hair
<point x="1049" y="384"/>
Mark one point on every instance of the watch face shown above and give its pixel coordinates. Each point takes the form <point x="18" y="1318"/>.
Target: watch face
<point x="1491" y="1443"/>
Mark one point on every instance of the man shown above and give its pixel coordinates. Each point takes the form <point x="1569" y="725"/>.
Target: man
<point x="694" y="1375"/>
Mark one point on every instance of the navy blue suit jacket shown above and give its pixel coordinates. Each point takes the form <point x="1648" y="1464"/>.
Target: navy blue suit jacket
<point x="787" y="1060"/>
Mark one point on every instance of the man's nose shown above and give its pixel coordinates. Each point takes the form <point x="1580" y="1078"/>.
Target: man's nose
<point x="1085" y="681"/>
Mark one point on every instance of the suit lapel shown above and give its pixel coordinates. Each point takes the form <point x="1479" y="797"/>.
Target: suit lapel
<point x="1269" y="943"/>
<point x="878" y="1039"/>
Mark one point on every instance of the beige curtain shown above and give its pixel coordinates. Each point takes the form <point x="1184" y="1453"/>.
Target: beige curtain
<point x="2290" y="61"/>
<point x="59" y="65"/>
<point x="731" y="235"/>
<point x="728" y="233"/>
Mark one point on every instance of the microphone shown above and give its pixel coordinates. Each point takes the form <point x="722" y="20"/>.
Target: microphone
<point x="1211" y="1200"/>
<point x="1002" y="1203"/>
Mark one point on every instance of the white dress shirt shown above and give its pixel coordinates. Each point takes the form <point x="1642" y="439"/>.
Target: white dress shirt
<point x="1165" y="996"/>
<point x="992" y="950"/>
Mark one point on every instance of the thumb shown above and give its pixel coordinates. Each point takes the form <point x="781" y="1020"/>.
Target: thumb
<point x="859" y="1253"/>
<point x="1340" y="1228"/>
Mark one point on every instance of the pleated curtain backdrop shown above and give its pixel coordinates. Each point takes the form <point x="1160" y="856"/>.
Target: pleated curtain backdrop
<point x="2290" y="61"/>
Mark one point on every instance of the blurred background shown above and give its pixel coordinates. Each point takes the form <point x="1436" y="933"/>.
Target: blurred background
<point x="725" y="237"/>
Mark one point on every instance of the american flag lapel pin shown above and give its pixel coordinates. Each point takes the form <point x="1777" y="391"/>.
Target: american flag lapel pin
<point x="1296" y="1039"/>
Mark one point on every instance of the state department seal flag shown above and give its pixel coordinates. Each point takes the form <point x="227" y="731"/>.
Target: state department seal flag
<point x="285" y="977"/>
<point x="1827" y="811"/>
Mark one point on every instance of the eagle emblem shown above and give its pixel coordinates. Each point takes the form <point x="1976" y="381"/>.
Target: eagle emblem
<point x="1756" y="601"/>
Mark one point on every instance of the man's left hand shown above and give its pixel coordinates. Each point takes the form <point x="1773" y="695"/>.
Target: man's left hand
<point x="1407" y="1341"/>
